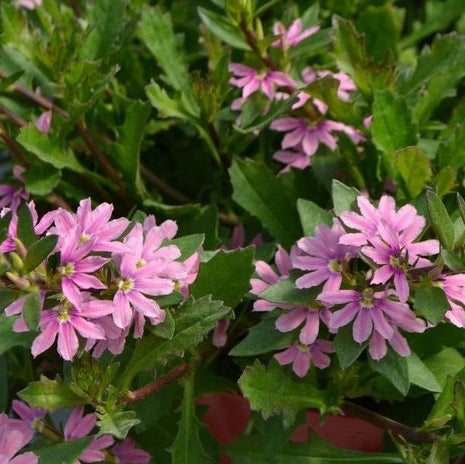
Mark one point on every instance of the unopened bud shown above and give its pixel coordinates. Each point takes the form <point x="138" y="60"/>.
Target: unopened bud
<point x="20" y="247"/>
<point x="20" y="282"/>
<point x="16" y="261"/>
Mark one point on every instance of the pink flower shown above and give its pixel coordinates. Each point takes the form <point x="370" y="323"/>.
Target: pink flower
<point x="126" y="453"/>
<point x="301" y="356"/>
<point x="309" y="138"/>
<point x="29" y="4"/>
<point x="44" y="121"/>
<point x="114" y="341"/>
<point x="64" y="320"/>
<point x="371" y="311"/>
<point x="31" y="418"/>
<point x="292" y="36"/>
<point x="79" y="426"/>
<point x="11" y="195"/>
<point x="454" y="288"/>
<point x="250" y="80"/>
<point x="292" y="158"/>
<point x="220" y="336"/>
<point x="17" y="308"/>
<point x="324" y="257"/>
<point x="377" y="346"/>
<point x="12" y="440"/>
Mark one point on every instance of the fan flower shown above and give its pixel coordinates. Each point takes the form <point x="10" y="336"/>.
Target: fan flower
<point x="454" y="288"/>
<point x="126" y="453"/>
<point x="293" y="35"/>
<point x="301" y="356"/>
<point x="250" y="80"/>
<point x="12" y="440"/>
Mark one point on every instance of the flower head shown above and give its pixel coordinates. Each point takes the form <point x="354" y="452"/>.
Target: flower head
<point x="293" y="35"/>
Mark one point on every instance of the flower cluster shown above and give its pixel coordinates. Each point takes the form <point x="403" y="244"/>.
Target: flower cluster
<point x="33" y="420"/>
<point x="307" y="126"/>
<point x="363" y="269"/>
<point x="107" y="277"/>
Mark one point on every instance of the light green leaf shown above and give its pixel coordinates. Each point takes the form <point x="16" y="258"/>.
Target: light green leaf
<point x="344" y="197"/>
<point x="415" y="169"/>
<point x="9" y="338"/>
<point x="50" y="394"/>
<point x="273" y="391"/>
<point x="116" y="423"/>
<point x="257" y="190"/>
<point x="167" y="107"/>
<point x="285" y="292"/>
<point x="392" y="126"/>
<point x="448" y="362"/>
<point x="63" y="453"/>
<point x="311" y="215"/>
<point x="440" y="220"/>
<point x="187" y="447"/>
<point x="41" y="179"/>
<point x="221" y="27"/>
<point x="451" y="152"/>
<point x="420" y="375"/>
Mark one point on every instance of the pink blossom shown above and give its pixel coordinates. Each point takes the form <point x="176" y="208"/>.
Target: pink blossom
<point x="371" y="311"/>
<point x="44" y="121"/>
<point x="126" y="453"/>
<point x="250" y="80"/>
<point x="377" y="346"/>
<point x="220" y="336"/>
<point x="324" y="257"/>
<point x="301" y="134"/>
<point x="292" y="158"/>
<point x="454" y="288"/>
<point x="293" y="35"/>
<point x="30" y="418"/>
<point x="17" y="308"/>
<point x="114" y="341"/>
<point x="29" y="4"/>
<point x="301" y="356"/>
<point x="79" y="426"/>
<point x="67" y="318"/>
<point x="11" y="195"/>
<point x="12" y="440"/>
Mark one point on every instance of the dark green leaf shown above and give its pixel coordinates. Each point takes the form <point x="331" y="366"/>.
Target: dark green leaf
<point x="187" y="447"/>
<point x="440" y="220"/>
<point x="188" y="244"/>
<point x="38" y="251"/>
<point x="392" y="126"/>
<point x="226" y="276"/>
<point x="31" y="310"/>
<point x="63" y="453"/>
<point x="4" y="224"/>
<point x="272" y="391"/>
<point x="258" y="191"/>
<point x="167" y="107"/>
<point x="9" y="338"/>
<point x="172" y="299"/>
<point x="451" y="152"/>
<point x="285" y="292"/>
<point x="221" y="27"/>
<point x="50" y="394"/>
<point x="262" y="338"/>
<point x="116" y="423"/>
<point x="415" y="169"/>
<point x="193" y="320"/>
<point x="394" y="368"/>
<point x="166" y="328"/>
<point x="312" y="215"/>
<point x="347" y="349"/>
<point x="344" y="197"/>
<point x="25" y="226"/>
<point x="431" y="301"/>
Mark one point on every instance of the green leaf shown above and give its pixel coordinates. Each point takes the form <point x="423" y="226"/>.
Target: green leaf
<point x="420" y="375"/>
<point x="187" y="447"/>
<point x="394" y="368"/>
<point x="193" y="320"/>
<point x="445" y="181"/>
<point x="442" y="410"/>
<point x="431" y="301"/>
<point x="116" y="423"/>
<point x="344" y="197"/>
<point x="444" y="52"/>
<point x="38" y="251"/>
<point x="440" y="220"/>
<point x="392" y="126"/>
<point x="9" y="338"/>
<point x="273" y="391"/>
<point x="106" y="24"/>
<point x="226" y="276"/>
<point x="379" y="25"/>
<point x="249" y="449"/>
<point x="263" y="338"/>
<point x="25" y="226"/>
<point x="50" y="394"/>
<point x="156" y="31"/>
<point x="311" y="215"/>
<point x="439" y="454"/>
<point x="166" y="328"/>
<point x="132" y="133"/>
<point x="221" y="27"/>
<point x="31" y="310"/>
<point x="316" y="41"/>
<point x="41" y="179"/>
<point x="415" y="169"/>
<point x="63" y="453"/>
<point x="285" y="292"/>
<point x="451" y="152"/>
<point x="448" y="362"/>
<point x="172" y="299"/>
<point x="167" y="107"/>
<point x="4" y="225"/>
<point x="188" y="244"/>
<point x="257" y="190"/>
<point x="47" y="149"/>
<point x="347" y="349"/>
